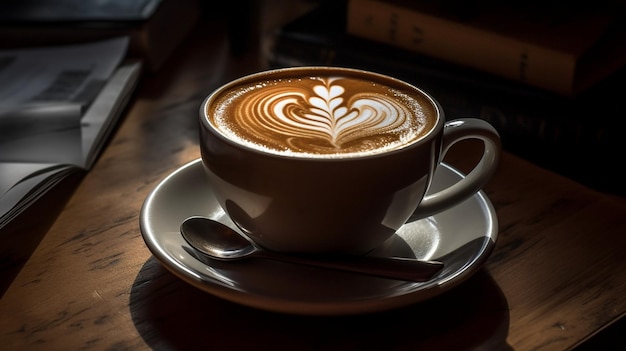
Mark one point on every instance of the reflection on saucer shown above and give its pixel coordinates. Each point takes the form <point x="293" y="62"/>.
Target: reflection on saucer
<point x="461" y="237"/>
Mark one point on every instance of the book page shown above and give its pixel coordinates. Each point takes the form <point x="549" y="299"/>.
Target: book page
<point x="13" y="173"/>
<point x="29" y="189"/>
<point x="44" y="95"/>
<point x="60" y="77"/>
<point x="106" y="109"/>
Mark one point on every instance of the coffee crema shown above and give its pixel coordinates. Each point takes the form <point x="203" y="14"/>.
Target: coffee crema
<point x="322" y="115"/>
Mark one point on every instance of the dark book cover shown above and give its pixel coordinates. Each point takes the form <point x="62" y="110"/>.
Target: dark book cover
<point x="155" y="27"/>
<point x="76" y="11"/>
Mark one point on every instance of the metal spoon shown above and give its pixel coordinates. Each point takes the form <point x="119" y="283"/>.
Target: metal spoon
<point x="218" y="241"/>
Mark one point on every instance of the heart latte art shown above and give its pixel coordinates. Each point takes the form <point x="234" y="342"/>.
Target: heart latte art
<point x="321" y="116"/>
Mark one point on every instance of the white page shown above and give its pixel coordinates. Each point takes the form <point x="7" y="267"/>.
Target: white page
<point x="62" y="76"/>
<point x="12" y="173"/>
<point x="29" y="190"/>
<point x="104" y="112"/>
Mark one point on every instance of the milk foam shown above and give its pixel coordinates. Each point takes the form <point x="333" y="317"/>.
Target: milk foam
<point x="321" y="116"/>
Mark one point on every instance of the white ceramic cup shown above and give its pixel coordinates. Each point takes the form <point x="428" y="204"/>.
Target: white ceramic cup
<point x="324" y="202"/>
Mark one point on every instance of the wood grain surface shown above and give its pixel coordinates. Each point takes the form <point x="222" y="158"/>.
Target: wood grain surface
<point x="556" y="276"/>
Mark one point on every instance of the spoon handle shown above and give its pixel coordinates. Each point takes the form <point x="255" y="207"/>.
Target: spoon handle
<point x="407" y="269"/>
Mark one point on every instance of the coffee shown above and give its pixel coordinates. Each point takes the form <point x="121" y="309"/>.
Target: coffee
<point x="322" y="113"/>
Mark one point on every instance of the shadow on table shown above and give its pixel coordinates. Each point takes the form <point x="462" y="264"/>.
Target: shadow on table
<point x="171" y="314"/>
<point x="21" y="236"/>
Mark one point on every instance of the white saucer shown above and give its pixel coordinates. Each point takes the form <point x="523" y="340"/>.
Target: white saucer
<point x="462" y="237"/>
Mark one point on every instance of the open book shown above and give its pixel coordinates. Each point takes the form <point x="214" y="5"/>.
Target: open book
<point x="58" y="105"/>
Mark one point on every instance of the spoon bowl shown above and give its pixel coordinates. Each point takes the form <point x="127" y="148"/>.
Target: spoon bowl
<point x="216" y="239"/>
<point x="221" y="242"/>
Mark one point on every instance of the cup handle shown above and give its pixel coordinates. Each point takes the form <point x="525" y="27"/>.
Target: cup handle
<point x="455" y="131"/>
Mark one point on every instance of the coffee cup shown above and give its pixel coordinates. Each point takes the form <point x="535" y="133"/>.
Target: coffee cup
<point x="332" y="160"/>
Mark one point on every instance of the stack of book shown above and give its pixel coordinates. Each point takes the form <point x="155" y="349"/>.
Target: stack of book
<point x="561" y="47"/>
<point x="557" y="130"/>
<point x="57" y="107"/>
<point x="68" y="69"/>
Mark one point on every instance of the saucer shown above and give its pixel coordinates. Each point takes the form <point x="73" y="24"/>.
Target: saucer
<point x="461" y="237"/>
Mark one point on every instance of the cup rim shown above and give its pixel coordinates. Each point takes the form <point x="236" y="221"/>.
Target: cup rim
<point x="207" y="125"/>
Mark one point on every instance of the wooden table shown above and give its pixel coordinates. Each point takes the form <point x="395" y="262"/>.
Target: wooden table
<point x="555" y="278"/>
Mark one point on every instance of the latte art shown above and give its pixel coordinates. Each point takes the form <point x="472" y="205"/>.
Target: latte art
<point x="320" y="116"/>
